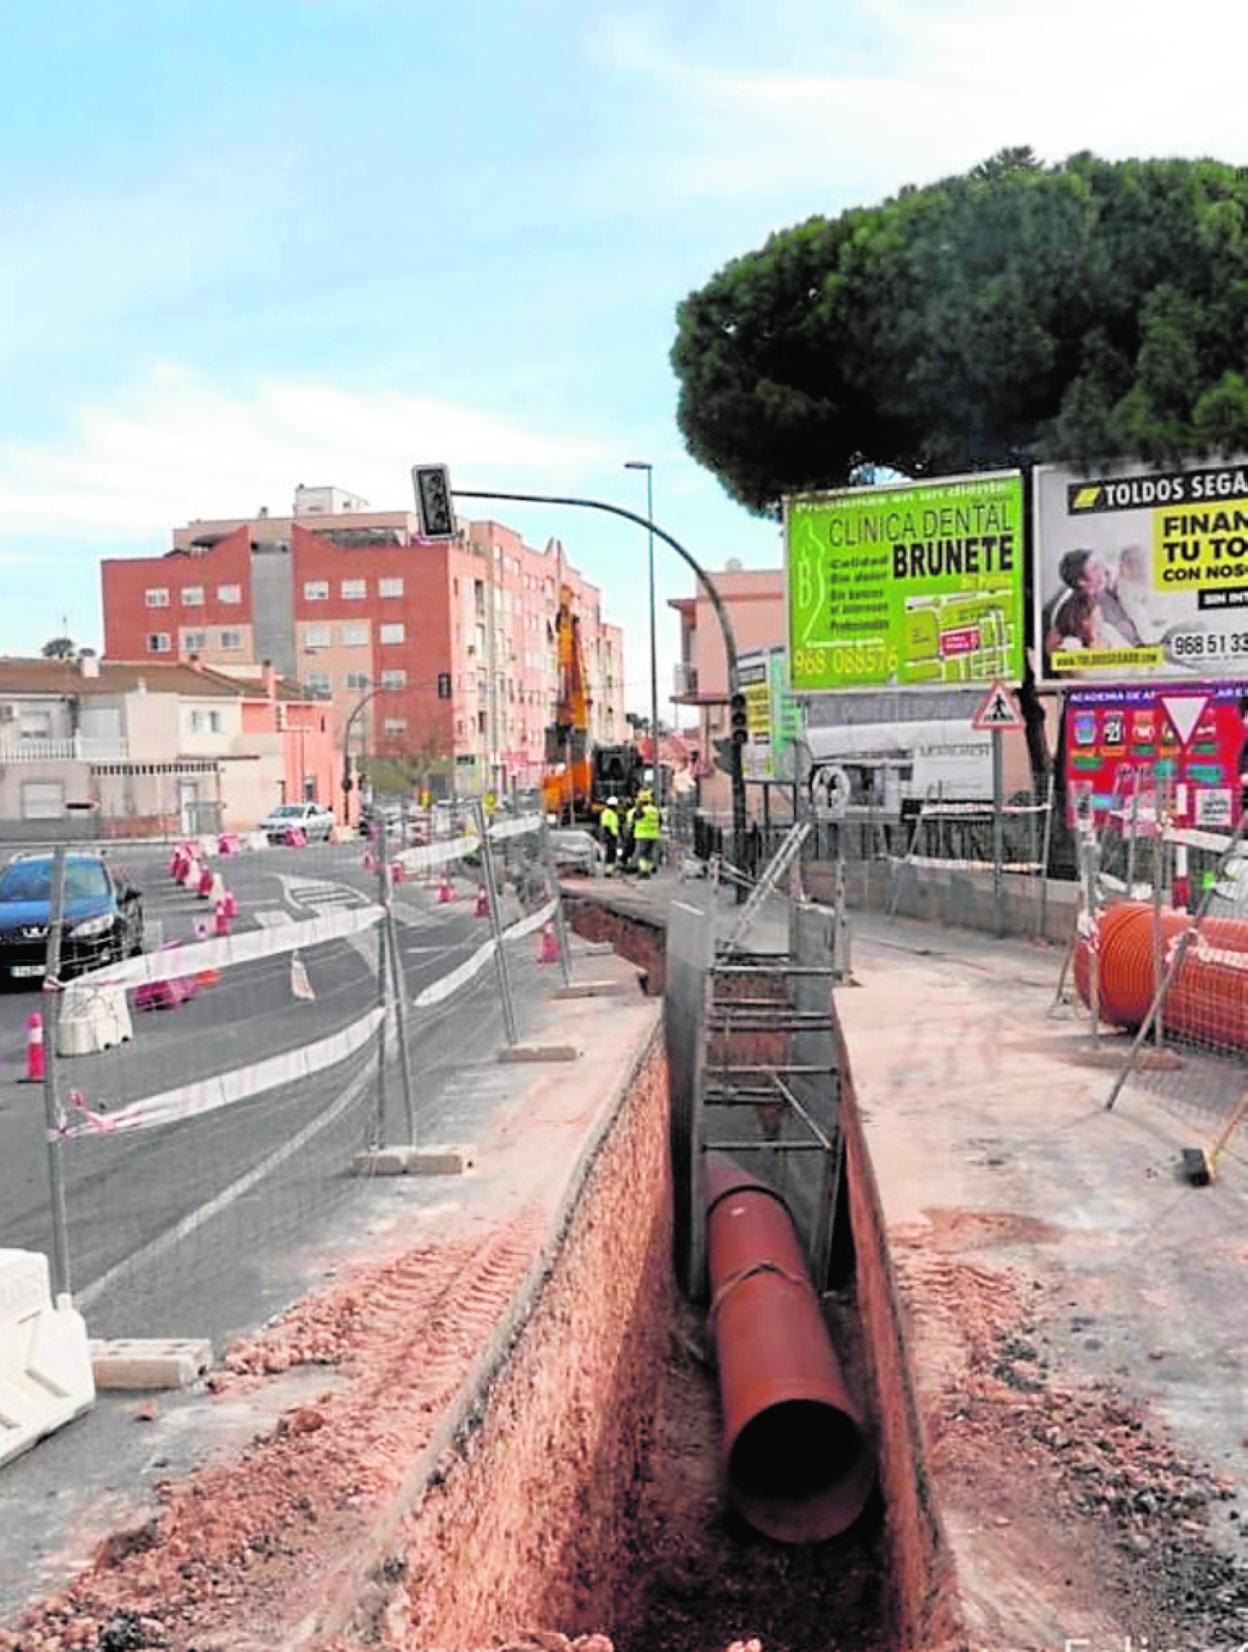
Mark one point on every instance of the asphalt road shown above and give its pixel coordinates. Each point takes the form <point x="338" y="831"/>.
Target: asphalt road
<point x="180" y="1228"/>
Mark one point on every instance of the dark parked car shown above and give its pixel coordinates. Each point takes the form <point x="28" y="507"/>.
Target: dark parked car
<point x="103" y="919"/>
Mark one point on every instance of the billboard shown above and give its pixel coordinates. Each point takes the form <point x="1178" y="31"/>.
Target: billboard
<point x="913" y="584"/>
<point x="1142" y="575"/>
<point x="1187" y="743"/>
<point x="773" y="718"/>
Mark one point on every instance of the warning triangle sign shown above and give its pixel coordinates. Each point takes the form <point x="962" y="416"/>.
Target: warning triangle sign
<point x="997" y="711"/>
<point x="1184" y="712"/>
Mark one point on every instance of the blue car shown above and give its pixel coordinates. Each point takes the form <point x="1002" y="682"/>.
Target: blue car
<point x="103" y="919"/>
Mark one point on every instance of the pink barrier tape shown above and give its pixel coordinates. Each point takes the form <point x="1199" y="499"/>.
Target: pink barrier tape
<point x="221" y="952"/>
<point x="445" y="985"/>
<point x="207" y="1095"/>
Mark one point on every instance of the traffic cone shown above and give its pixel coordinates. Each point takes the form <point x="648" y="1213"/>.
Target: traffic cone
<point x="221" y="919"/>
<point x="445" y="892"/>
<point x="230" y="904"/>
<point x="482" y="907"/>
<point x="216" y="893"/>
<point x="190" y="872"/>
<point x="548" y="946"/>
<point x="398" y="872"/>
<point x="34" y="1048"/>
<point x="369" y="862"/>
<point x="175" y="864"/>
<point x="206" y="880"/>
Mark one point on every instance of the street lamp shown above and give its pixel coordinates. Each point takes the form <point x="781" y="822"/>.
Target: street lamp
<point x="644" y="464"/>
<point x="347" y="782"/>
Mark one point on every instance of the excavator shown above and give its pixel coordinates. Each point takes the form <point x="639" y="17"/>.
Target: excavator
<point x="579" y="779"/>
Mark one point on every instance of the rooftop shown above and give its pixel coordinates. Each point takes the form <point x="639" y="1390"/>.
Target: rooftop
<point x="19" y="675"/>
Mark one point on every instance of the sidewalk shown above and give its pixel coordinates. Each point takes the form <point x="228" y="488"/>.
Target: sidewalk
<point x="1075" y="1315"/>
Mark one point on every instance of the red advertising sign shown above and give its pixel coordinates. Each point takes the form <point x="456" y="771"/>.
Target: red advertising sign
<point x="1188" y="742"/>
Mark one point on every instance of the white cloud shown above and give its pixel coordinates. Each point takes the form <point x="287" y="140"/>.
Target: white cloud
<point x="942" y="88"/>
<point x="177" y="445"/>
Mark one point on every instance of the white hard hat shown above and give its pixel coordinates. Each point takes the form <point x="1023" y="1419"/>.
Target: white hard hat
<point x="612" y="802"/>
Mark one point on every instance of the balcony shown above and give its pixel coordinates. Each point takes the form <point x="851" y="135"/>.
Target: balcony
<point x="73" y="748"/>
<point x="686" y="681"/>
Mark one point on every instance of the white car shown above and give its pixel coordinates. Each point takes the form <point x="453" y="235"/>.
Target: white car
<point x="316" y="820"/>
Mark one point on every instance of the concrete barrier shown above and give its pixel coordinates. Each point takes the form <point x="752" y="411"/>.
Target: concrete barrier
<point x="45" y="1366"/>
<point x="93" y="1019"/>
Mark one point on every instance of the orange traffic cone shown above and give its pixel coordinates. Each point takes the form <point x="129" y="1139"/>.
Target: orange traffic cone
<point x="548" y="947"/>
<point x="34" y="1048"/>
<point x="445" y="892"/>
<point x="481" y="908"/>
<point x="204" y="888"/>
<point x="398" y="872"/>
<point x="221" y="919"/>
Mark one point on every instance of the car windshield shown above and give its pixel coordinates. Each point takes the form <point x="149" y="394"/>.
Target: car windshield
<point x="289" y="809"/>
<point x="31" y="880"/>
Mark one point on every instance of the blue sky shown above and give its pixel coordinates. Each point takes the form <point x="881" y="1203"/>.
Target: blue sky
<point x="249" y="245"/>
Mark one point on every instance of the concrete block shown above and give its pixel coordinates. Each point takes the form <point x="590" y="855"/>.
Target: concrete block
<point x="45" y="1371"/>
<point x="440" y="1159"/>
<point x="593" y="989"/>
<point x="150" y="1362"/>
<point x="518" y="1053"/>
<point x="92" y="1019"/>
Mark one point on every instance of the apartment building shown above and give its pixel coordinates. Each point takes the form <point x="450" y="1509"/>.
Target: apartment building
<point x="104" y="748"/>
<point x="440" y="654"/>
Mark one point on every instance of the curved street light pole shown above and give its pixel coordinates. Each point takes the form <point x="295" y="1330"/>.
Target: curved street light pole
<point x="346" y="750"/>
<point x="708" y="584"/>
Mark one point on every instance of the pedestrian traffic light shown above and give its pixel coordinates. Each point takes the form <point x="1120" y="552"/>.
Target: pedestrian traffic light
<point x="739" y="720"/>
<point x="433" y="501"/>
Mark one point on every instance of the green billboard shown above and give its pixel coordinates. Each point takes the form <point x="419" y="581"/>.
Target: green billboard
<point x="911" y="584"/>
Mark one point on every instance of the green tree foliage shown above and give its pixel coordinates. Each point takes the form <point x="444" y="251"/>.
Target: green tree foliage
<point x="1089" y="310"/>
<point x="62" y="648"/>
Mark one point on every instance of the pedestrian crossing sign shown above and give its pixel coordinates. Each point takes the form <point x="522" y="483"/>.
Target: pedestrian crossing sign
<point x="997" y="712"/>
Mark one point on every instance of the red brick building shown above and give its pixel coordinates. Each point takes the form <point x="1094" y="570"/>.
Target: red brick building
<point x="451" y="643"/>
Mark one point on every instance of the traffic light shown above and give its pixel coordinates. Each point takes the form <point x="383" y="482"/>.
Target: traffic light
<point x="739" y="720"/>
<point x="433" y="501"/>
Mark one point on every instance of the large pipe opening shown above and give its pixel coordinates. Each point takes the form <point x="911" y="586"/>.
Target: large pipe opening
<point x="799" y="1470"/>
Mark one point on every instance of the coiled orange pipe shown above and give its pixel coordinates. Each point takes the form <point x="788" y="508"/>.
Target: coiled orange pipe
<point x="1208" y="998"/>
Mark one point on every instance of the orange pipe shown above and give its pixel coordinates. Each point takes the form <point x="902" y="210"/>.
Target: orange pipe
<point x="1208" y="998"/>
<point x="795" y="1455"/>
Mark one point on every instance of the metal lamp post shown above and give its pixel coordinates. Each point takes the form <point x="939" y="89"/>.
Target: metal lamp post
<point x="346" y="750"/>
<point x="644" y="464"/>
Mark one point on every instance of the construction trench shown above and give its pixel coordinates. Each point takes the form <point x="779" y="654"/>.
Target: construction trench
<point x="527" y="1435"/>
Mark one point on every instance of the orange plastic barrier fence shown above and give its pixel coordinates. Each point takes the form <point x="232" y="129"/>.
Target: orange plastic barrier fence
<point x="1208" y="998"/>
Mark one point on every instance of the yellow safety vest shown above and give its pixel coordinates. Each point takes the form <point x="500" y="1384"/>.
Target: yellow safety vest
<point x="610" y="822"/>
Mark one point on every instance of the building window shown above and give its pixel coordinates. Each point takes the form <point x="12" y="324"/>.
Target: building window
<point x="316" y="590"/>
<point x="394" y="679"/>
<point x="157" y="597"/>
<point x="391" y="633"/>
<point x="229" y="593"/>
<point x="36" y="725"/>
<point x="193" y="641"/>
<point x="389" y="587"/>
<point x="192" y="596"/>
<point x="205" y="722"/>
<point x="355" y="634"/>
<point x="317" y="682"/>
<point x="316" y="636"/>
<point x="354" y="590"/>
<point x="357" y="679"/>
<point x="480" y="722"/>
<point x="231" y="639"/>
<point x="396" y="725"/>
<point x="42" y="800"/>
<point x="158" y="642"/>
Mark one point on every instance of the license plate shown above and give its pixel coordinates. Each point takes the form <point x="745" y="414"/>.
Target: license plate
<point x="25" y="969"/>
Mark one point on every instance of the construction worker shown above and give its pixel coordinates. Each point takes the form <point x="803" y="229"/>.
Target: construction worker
<point x="609" y="820"/>
<point x="647" y="828"/>
<point x="628" y="837"/>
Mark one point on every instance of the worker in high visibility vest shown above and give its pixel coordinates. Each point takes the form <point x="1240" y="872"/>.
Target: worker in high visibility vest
<point x="628" y="839"/>
<point x="609" y="820"/>
<point x="647" y="828"/>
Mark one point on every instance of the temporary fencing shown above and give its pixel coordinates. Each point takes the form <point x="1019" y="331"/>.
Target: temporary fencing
<point x="209" y="1099"/>
<point x="1161" y="954"/>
